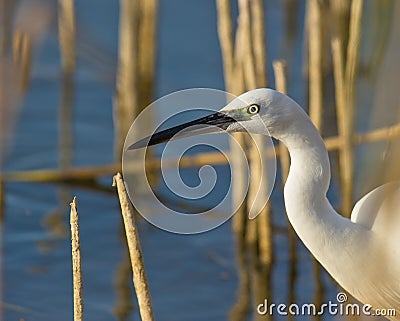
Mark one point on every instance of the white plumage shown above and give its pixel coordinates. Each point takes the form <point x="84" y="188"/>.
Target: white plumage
<point x="361" y="254"/>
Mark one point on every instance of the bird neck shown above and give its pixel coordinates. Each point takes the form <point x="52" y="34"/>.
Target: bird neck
<point x="308" y="209"/>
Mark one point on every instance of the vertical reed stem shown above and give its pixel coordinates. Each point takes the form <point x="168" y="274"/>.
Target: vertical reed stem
<point x="347" y="156"/>
<point x="127" y="100"/>
<point x="258" y="36"/>
<point x="315" y="62"/>
<point x="6" y="14"/>
<point x="66" y="32"/>
<point x="147" y="50"/>
<point x="338" y="70"/>
<point x="22" y="55"/>
<point x="76" y="262"/>
<point x="247" y="59"/>
<point x="280" y="84"/>
<point x="226" y="39"/>
<point x="234" y="83"/>
<point x="135" y="251"/>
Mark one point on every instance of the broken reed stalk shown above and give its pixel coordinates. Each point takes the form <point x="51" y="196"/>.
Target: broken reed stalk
<point x="135" y="251"/>
<point x="315" y="62"/>
<point x="76" y="261"/>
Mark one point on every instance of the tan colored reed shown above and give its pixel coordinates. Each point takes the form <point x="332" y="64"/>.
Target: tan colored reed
<point x="347" y="116"/>
<point x="338" y="72"/>
<point x="6" y="14"/>
<point x="314" y="28"/>
<point x="280" y="85"/>
<point x="258" y="39"/>
<point x="22" y="56"/>
<point x="264" y="233"/>
<point x="147" y="50"/>
<point x="76" y="261"/>
<point x="225" y="35"/>
<point x="234" y="82"/>
<point x="127" y="99"/>
<point x="66" y="32"/>
<point x="135" y="251"/>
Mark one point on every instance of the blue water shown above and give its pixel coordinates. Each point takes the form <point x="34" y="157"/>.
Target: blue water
<point x="191" y="277"/>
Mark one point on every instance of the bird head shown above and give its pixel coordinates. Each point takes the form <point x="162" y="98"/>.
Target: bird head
<point x="259" y="111"/>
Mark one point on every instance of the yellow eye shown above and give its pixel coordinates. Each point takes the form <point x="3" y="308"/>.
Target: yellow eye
<point x="253" y="109"/>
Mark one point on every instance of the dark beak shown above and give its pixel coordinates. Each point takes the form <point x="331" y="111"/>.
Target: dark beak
<point x="205" y="125"/>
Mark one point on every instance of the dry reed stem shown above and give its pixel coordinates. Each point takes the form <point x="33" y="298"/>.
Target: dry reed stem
<point x="338" y="69"/>
<point x="6" y="15"/>
<point x="232" y="54"/>
<point x="347" y="154"/>
<point x="147" y="50"/>
<point x="340" y="15"/>
<point x="224" y="25"/>
<point x="66" y="32"/>
<point x="22" y="56"/>
<point x="234" y="82"/>
<point x="135" y="251"/>
<point x="246" y="45"/>
<point x="258" y="35"/>
<point x="280" y="85"/>
<point x="315" y="62"/>
<point x="126" y="100"/>
<point x="264" y="234"/>
<point x="248" y="66"/>
<point x="76" y="261"/>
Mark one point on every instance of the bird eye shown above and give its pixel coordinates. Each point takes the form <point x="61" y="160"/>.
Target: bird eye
<point x="253" y="109"/>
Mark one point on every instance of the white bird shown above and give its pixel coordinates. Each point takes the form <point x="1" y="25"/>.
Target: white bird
<point x="361" y="254"/>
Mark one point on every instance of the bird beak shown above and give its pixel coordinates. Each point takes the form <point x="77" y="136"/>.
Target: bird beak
<point x="205" y="125"/>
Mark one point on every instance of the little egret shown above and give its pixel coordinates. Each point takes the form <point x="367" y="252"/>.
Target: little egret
<point x="361" y="254"/>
